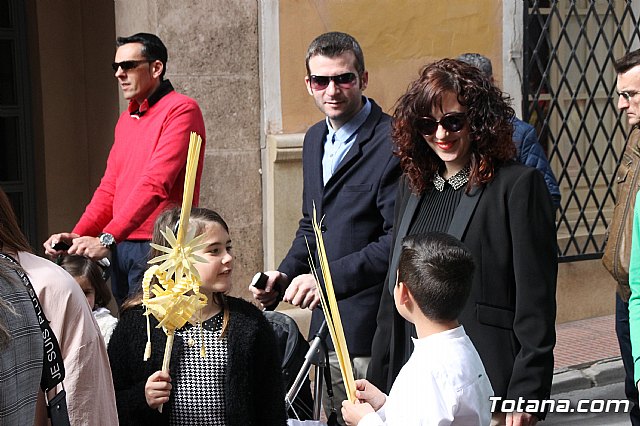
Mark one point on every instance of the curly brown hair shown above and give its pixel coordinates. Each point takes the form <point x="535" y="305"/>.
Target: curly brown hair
<point x="488" y="116"/>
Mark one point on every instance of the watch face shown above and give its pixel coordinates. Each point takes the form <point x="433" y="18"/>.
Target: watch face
<point x="107" y="240"/>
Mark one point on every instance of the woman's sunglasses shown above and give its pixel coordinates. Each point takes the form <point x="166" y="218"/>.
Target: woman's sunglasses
<point x="321" y="82"/>
<point x="452" y="122"/>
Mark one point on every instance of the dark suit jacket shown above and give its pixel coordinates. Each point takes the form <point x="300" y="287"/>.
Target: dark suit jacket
<point x="510" y="314"/>
<point x="357" y="206"/>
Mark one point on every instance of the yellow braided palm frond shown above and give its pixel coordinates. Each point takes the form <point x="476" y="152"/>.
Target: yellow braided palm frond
<point x="177" y="291"/>
<point x="330" y="308"/>
<point x="179" y="259"/>
<point x="176" y="275"/>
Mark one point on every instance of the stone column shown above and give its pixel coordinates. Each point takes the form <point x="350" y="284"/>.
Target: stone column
<point x="213" y="57"/>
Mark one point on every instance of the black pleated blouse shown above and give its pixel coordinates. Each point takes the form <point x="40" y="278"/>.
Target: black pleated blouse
<point x="436" y="210"/>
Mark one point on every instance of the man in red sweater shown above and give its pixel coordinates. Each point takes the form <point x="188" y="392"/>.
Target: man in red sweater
<point x="145" y="169"/>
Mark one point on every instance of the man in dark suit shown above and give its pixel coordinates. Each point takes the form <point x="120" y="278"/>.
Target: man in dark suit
<point x="351" y="175"/>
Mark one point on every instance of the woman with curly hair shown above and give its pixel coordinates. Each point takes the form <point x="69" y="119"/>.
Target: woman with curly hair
<point x="452" y="132"/>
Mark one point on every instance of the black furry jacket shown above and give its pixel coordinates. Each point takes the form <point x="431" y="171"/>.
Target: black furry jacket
<point x="254" y="391"/>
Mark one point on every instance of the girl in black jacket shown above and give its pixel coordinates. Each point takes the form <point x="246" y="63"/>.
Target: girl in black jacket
<point x="238" y="382"/>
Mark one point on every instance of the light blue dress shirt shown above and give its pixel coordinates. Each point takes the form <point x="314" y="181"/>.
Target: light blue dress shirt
<point x="339" y="142"/>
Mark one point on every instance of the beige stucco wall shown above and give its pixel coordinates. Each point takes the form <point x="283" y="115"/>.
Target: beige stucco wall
<point x="585" y="290"/>
<point x="397" y="38"/>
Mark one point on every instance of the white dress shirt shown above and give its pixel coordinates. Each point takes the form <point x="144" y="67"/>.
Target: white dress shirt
<point x="339" y="142"/>
<point x="443" y="383"/>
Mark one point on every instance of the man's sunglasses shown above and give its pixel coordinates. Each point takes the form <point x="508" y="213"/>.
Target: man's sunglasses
<point x="128" y="65"/>
<point x="321" y="82"/>
<point x="452" y="122"/>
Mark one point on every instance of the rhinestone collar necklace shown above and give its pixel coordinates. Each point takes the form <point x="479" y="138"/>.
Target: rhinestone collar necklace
<point x="457" y="181"/>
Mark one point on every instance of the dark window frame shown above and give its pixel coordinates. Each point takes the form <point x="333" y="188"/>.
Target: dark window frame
<point x="21" y="190"/>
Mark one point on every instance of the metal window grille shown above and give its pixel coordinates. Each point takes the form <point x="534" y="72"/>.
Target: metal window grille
<point x="569" y="95"/>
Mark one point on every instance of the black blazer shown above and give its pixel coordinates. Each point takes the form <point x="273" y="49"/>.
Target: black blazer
<point x="510" y="314"/>
<point x="357" y="205"/>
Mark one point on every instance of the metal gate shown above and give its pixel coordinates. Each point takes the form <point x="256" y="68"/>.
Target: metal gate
<point x="569" y="96"/>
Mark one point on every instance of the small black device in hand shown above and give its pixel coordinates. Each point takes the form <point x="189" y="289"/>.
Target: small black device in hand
<point x="61" y="245"/>
<point x="259" y="280"/>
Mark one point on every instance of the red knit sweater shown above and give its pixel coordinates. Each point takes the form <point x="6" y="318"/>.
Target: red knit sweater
<point x="145" y="170"/>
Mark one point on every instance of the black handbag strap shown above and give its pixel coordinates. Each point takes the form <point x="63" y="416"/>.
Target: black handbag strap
<point x="53" y="365"/>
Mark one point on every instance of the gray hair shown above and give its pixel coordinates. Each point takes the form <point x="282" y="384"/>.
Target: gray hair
<point x="479" y="61"/>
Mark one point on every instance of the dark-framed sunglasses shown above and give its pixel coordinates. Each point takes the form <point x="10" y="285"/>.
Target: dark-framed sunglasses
<point x="321" y="82"/>
<point x="452" y="122"/>
<point x="129" y="65"/>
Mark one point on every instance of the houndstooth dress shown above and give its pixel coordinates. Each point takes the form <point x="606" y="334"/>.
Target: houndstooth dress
<point x="198" y="388"/>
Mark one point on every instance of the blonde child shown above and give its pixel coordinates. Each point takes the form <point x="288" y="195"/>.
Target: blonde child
<point x="238" y="382"/>
<point x="89" y="276"/>
<point x="444" y="381"/>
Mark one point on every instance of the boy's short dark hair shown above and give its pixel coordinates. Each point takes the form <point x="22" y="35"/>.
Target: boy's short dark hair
<point x="437" y="269"/>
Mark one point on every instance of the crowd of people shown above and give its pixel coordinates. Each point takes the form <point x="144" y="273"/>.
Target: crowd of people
<point x="440" y="238"/>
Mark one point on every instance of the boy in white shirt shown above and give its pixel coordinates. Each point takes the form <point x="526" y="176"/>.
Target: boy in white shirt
<point x="444" y="381"/>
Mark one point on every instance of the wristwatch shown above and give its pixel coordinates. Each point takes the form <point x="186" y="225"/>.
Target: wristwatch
<point x="106" y="240"/>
